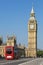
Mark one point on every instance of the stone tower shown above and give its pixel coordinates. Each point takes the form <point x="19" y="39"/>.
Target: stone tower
<point x="11" y="41"/>
<point x="32" y="35"/>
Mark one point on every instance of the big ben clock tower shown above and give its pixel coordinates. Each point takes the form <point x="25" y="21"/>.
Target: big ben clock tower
<point x="32" y="35"/>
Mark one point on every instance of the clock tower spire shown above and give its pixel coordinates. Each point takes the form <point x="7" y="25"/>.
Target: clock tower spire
<point x="32" y="12"/>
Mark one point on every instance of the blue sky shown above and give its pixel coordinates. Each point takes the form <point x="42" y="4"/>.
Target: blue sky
<point x="14" y="16"/>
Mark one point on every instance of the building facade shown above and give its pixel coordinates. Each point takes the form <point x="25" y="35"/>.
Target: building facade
<point x="11" y="41"/>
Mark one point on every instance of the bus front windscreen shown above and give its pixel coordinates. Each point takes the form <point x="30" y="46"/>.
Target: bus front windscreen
<point x="8" y="51"/>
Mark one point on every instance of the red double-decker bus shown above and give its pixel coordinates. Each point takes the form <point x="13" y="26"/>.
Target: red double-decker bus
<point x="11" y="53"/>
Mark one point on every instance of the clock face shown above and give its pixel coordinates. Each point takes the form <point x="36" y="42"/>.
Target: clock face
<point x="31" y="26"/>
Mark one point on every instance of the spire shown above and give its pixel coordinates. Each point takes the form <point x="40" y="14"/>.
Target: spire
<point x="32" y="12"/>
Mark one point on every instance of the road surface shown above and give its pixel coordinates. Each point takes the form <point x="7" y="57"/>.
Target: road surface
<point x="22" y="61"/>
<point x="37" y="61"/>
<point x="14" y="62"/>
